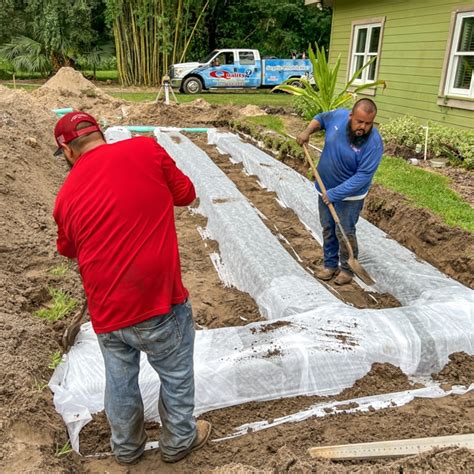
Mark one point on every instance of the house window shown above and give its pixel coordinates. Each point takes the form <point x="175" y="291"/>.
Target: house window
<point x="460" y="78"/>
<point x="365" y="46"/>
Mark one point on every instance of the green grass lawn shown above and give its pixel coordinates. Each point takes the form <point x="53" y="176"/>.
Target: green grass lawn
<point x="230" y="98"/>
<point x="426" y="189"/>
<point x="100" y="75"/>
<point x="26" y="87"/>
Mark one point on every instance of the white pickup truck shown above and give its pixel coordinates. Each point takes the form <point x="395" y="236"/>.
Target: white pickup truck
<point x="236" y="69"/>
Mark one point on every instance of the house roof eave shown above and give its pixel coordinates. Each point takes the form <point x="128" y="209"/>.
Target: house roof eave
<point x="322" y="3"/>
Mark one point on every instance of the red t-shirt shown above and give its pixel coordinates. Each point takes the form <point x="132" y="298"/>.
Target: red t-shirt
<point x="115" y="214"/>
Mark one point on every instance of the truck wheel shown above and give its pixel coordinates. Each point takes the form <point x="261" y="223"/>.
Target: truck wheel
<point x="297" y="83"/>
<point x="192" y="85"/>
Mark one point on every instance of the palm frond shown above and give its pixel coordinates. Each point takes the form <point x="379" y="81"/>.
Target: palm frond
<point x="323" y="95"/>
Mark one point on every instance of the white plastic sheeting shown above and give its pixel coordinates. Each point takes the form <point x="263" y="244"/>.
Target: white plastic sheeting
<point x="395" y="269"/>
<point x="325" y="345"/>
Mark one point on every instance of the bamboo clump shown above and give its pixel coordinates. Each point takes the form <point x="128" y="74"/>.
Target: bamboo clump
<point x="150" y="36"/>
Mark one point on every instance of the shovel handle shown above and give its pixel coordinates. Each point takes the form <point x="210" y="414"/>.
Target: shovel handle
<point x="330" y="205"/>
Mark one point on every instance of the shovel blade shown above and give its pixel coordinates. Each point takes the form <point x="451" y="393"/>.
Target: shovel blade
<point x="358" y="269"/>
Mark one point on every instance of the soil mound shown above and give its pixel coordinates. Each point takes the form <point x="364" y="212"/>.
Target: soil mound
<point x="382" y="378"/>
<point x="29" y="179"/>
<point x="69" y="88"/>
<point x="199" y="104"/>
<point x="458" y="371"/>
<point x="252" y="111"/>
<point x="437" y="460"/>
<point x="30" y="176"/>
<point x="69" y="83"/>
<point x="194" y="114"/>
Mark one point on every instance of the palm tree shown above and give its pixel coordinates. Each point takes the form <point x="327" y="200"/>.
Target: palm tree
<point x="96" y="57"/>
<point x="27" y="54"/>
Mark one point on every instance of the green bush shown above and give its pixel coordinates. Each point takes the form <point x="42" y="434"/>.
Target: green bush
<point x="303" y="108"/>
<point x="401" y="135"/>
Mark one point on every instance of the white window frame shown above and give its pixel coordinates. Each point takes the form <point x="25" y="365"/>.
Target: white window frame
<point x="454" y="57"/>
<point x="246" y="63"/>
<point x="356" y="27"/>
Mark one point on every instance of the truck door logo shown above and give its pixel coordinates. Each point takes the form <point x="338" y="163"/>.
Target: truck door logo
<point x="223" y="74"/>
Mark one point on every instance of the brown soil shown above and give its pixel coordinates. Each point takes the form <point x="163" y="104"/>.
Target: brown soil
<point x="449" y="249"/>
<point x="32" y="433"/>
<point x="382" y="378"/>
<point x="266" y="449"/>
<point x="458" y="371"/>
<point x="214" y="305"/>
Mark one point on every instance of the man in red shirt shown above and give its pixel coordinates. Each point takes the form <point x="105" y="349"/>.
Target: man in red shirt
<point x="115" y="214"/>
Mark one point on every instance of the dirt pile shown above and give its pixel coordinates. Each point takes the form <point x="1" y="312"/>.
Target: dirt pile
<point x="198" y="113"/>
<point x="458" y="371"/>
<point x="30" y="177"/>
<point x="69" y="88"/>
<point x="252" y="111"/>
<point x="382" y="378"/>
<point x="68" y="82"/>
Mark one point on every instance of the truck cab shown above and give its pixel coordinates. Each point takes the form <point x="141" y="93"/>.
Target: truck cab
<point x="235" y="69"/>
<point x="229" y="68"/>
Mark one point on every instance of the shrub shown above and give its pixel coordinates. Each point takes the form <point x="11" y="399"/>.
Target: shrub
<point x="5" y="75"/>
<point x="401" y="135"/>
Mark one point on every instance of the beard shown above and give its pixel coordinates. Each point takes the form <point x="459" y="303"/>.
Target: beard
<point x="355" y="139"/>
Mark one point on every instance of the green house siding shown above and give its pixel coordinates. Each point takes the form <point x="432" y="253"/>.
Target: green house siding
<point x="415" y="37"/>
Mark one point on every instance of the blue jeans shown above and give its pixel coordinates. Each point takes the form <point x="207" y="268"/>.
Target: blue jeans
<point x="348" y="213"/>
<point x="168" y="341"/>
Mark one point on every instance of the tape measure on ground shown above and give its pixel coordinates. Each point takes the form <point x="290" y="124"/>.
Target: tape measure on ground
<point x="390" y="449"/>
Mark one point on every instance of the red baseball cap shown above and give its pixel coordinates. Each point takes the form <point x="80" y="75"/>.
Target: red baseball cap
<point x="66" y="131"/>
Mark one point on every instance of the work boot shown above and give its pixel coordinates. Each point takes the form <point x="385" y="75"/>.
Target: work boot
<point x="344" y="278"/>
<point x="324" y="273"/>
<point x="203" y="431"/>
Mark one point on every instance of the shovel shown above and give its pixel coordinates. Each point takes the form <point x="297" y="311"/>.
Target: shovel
<point x="356" y="267"/>
<point x="69" y="335"/>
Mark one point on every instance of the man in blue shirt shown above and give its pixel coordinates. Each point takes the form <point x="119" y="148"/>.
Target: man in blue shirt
<point x="352" y="152"/>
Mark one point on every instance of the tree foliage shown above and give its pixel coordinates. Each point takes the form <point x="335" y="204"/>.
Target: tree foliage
<point x="275" y="27"/>
<point x="150" y="35"/>
<point x="12" y="19"/>
<point x="45" y="35"/>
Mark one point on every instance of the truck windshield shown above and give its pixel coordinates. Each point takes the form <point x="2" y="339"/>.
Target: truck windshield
<point x="208" y="57"/>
